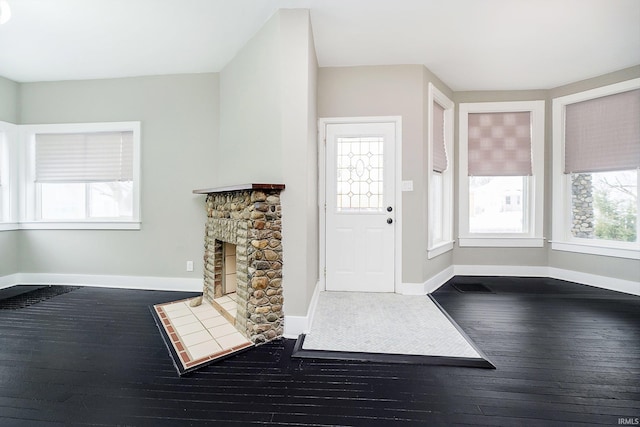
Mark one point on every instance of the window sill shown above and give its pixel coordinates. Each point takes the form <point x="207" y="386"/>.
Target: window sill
<point x="439" y="249"/>
<point x="80" y="225"/>
<point x="596" y="250"/>
<point x="502" y="242"/>
<point x="9" y="226"/>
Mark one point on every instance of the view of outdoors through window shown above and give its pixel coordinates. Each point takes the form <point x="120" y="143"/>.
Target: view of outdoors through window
<point x="605" y="205"/>
<point x="75" y="201"/>
<point x="437" y="208"/>
<point x="497" y="204"/>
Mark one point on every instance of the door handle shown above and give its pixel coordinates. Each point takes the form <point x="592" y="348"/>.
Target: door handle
<point x="389" y="208"/>
<point x="389" y="220"/>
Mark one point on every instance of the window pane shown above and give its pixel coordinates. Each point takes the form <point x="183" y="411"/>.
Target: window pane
<point x="111" y="199"/>
<point x="497" y="204"/>
<point x="437" y="207"/>
<point x="359" y="174"/>
<point x="604" y="205"/>
<point x="63" y="201"/>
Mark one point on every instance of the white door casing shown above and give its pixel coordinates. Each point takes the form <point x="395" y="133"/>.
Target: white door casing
<point x="360" y="199"/>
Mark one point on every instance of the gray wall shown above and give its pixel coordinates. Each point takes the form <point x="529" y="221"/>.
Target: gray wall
<point x="8" y="239"/>
<point x="268" y="134"/>
<point x="9" y="91"/>
<point x="394" y="90"/>
<point x="179" y="116"/>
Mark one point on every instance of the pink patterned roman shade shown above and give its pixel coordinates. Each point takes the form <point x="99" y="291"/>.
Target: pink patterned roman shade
<point x="439" y="151"/>
<point x="603" y="134"/>
<point x="499" y="144"/>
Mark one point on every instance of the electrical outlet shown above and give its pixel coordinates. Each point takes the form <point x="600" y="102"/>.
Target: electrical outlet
<point x="189" y="265"/>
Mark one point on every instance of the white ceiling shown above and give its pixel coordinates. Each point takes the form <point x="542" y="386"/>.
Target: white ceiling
<point x="469" y="44"/>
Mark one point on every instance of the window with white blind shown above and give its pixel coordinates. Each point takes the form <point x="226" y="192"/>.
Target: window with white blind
<point x="8" y="181"/>
<point x="440" y="177"/>
<point x="501" y="174"/>
<point x="82" y="176"/>
<point x="596" y="163"/>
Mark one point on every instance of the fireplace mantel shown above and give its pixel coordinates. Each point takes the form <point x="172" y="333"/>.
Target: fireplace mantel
<point x="240" y="187"/>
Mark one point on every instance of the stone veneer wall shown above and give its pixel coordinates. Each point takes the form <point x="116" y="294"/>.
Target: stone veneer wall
<point x="251" y="220"/>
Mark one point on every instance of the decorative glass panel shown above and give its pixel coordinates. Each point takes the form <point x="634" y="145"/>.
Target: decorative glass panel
<point x="359" y="173"/>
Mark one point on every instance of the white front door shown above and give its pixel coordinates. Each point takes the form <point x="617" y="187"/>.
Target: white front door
<point x="360" y="207"/>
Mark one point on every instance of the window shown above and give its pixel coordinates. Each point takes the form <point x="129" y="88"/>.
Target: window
<point x="596" y="158"/>
<point x="440" y="177"/>
<point x="82" y="176"/>
<point x="8" y="182"/>
<point x="501" y="174"/>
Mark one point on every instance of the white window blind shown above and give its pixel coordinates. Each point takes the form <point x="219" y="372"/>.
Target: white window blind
<point x="84" y="157"/>
<point x="499" y="144"/>
<point x="439" y="151"/>
<point x="603" y="134"/>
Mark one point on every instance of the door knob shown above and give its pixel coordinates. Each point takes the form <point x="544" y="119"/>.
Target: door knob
<point x="389" y="220"/>
<point x="389" y="208"/>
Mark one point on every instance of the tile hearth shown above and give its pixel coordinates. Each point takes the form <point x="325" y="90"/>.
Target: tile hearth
<point x="199" y="335"/>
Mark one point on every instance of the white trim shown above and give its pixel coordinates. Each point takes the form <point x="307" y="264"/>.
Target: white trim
<point x="439" y="249"/>
<point x="535" y="203"/>
<point x="604" y="282"/>
<point x="429" y="285"/>
<point x="584" y="248"/>
<point x="501" y="270"/>
<point x="322" y="133"/>
<point x="436" y="248"/>
<point x="502" y="242"/>
<point x="184" y="284"/>
<point x="9" y="226"/>
<point x="79" y="225"/>
<point x="9" y="178"/>
<point x="561" y="208"/>
<point x="9" y="280"/>
<point x="296" y="325"/>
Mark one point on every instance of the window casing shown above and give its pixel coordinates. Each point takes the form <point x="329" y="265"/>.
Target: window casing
<point x="501" y="198"/>
<point x="595" y="191"/>
<point x="8" y="178"/>
<point x="440" y="155"/>
<point x="81" y="176"/>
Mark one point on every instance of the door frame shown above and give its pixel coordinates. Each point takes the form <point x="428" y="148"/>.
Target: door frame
<point x="322" y="175"/>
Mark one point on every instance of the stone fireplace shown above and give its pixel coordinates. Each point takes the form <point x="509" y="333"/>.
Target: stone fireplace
<point x="248" y="217"/>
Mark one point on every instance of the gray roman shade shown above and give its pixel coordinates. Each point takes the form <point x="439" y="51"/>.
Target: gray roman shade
<point x="84" y="157"/>
<point x="499" y="144"/>
<point x="439" y="150"/>
<point x="603" y="134"/>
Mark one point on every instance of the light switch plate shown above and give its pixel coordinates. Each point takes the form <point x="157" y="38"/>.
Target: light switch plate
<point x="407" y="185"/>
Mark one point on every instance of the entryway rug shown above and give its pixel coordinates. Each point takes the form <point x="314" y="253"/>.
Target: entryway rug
<point x="197" y="336"/>
<point x="386" y="327"/>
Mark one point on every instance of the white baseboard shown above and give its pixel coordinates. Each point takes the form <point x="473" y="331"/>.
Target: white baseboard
<point x="108" y="281"/>
<point x="9" y="280"/>
<point x="296" y="325"/>
<point x="427" y="286"/>
<point x="501" y="270"/>
<point x="604" y="282"/>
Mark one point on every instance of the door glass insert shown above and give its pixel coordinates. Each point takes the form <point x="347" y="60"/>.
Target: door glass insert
<point x="359" y="174"/>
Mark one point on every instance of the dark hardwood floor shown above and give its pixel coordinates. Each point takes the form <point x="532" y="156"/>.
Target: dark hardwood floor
<point x="565" y="354"/>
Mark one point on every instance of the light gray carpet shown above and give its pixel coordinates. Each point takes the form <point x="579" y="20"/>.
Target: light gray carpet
<point x="384" y="323"/>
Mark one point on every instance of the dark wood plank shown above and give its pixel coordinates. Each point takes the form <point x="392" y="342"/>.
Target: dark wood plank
<point x="565" y="354"/>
